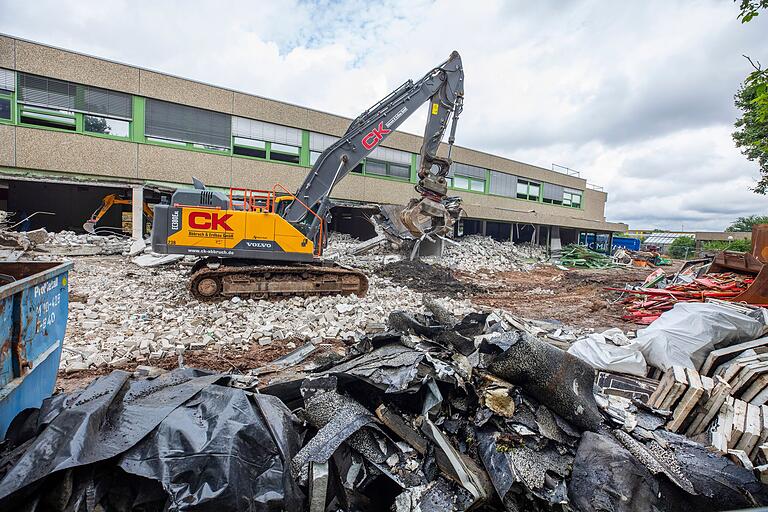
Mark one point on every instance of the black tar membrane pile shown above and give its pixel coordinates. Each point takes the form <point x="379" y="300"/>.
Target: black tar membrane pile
<point x="435" y="415"/>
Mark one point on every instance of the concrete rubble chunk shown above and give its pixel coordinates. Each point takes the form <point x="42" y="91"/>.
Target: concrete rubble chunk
<point x="155" y="260"/>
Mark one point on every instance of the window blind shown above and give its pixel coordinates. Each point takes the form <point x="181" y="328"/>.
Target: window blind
<point x="260" y="130"/>
<point x="7" y="80"/>
<point x="552" y="191"/>
<point x="52" y="93"/>
<point x="503" y="184"/>
<point x="188" y="124"/>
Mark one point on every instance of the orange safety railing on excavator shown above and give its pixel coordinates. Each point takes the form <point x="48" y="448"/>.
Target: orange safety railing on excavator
<point x="265" y="201"/>
<point x="253" y="200"/>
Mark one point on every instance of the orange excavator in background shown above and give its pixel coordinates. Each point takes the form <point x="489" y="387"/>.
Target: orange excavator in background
<point x="107" y="203"/>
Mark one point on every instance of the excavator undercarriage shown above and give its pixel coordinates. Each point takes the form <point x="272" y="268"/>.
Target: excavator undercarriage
<point x="211" y="280"/>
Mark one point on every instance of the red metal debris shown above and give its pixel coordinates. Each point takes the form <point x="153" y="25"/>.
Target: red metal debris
<point x="644" y="305"/>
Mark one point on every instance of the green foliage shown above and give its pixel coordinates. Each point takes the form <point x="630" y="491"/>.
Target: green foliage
<point x="682" y="247"/>
<point x="744" y="224"/>
<point x="751" y="133"/>
<point x="96" y="124"/>
<point x="749" y="9"/>
<point x="725" y="245"/>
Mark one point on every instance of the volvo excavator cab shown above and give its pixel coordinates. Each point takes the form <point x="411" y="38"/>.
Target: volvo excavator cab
<point x="268" y="243"/>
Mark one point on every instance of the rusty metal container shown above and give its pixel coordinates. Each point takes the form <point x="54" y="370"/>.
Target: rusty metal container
<point x="33" y="320"/>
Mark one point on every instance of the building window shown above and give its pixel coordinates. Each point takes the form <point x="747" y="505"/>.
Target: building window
<point x="503" y="184"/>
<point x="170" y="121"/>
<point x="379" y="168"/>
<point x="48" y="118"/>
<point x="528" y="190"/>
<point x="5" y="108"/>
<point x="465" y="183"/>
<point x="259" y="139"/>
<point x="106" y="126"/>
<point x="467" y="177"/>
<point x="284" y="153"/>
<point x="249" y="147"/>
<point x="572" y="198"/>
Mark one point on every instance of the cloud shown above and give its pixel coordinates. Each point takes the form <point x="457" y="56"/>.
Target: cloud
<point x="639" y="98"/>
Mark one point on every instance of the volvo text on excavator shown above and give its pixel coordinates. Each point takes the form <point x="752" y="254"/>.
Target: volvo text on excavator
<point x="268" y="243"/>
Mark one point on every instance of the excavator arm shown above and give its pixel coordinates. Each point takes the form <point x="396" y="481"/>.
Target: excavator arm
<point x="443" y="87"/>
<point x="106" y="203"/>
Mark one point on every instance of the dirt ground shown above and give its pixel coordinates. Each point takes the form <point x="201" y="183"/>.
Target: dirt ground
<point x="576" y="298"/>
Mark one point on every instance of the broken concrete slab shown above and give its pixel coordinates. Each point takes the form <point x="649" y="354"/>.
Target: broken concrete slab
<point x="155" y="260"/>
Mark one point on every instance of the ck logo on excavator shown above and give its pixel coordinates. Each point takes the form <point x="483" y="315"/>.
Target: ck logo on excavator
<point x="373" y="137"/>
<point x="209" y="220"/>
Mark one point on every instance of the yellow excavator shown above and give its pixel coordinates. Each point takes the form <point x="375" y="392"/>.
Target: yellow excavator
<point x="268" y="243"/>
<point x="108" y="202"/>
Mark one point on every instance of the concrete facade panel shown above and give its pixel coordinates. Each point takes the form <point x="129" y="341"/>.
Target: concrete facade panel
<point x="594" y="204"/>
<point x="7" y="145"/>
<point x="257" y="174"/>
<point x="270" y="111"/>
<point x="186" y="92"/>
<point x="73" y="153"/>
<point x="74" y="67"/>
<point x="326" y="123"/>
<point x="7" y="53"/>
<point x="169" y="164"/>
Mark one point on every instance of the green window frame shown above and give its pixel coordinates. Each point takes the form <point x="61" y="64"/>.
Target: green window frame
<point x="387" y="170"/>
<point x="8" y="97"/>
<point x="48" y="118"/>
<point x="572" y="198"/>
<point x="459" y="182"/>
<point x="266" y="151"/>
<point x="66" y="121"/>
<point x="528" y="190"/>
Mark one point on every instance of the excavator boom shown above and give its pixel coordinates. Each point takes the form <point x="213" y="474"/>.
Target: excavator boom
<point x="269" y="243"/>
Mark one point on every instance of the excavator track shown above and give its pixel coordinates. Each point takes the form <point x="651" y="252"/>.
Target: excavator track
<point x="273" y="281"/>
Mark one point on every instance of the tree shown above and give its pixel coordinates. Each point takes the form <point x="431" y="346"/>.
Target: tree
<point x="682" y="247"/>
<point x="751" y="134"/>
<point x="744" y="224"/>
<point x="725" y="245"/>
<point x="749" y="9"/>
<point x="96" y="124"/>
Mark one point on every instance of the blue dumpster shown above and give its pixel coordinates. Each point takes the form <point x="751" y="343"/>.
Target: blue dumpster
<point x="33" y="319"/>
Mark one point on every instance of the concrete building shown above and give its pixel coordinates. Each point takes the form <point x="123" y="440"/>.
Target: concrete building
<point x="74" y="128"/>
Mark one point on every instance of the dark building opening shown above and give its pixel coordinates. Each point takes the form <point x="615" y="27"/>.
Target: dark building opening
<point x="69" y="206"/>
<point x="501" y="231"/>
<point x="523" y="233"/>
<point x="466" y="227"/>
<point x="353" y="221"/>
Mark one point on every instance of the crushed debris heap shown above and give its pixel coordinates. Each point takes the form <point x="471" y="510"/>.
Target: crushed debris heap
<point x="437" y="413"/>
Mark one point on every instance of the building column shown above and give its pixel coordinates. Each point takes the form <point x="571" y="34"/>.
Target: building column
<point x="137" y="212"/>
<point x="608" y="250"/>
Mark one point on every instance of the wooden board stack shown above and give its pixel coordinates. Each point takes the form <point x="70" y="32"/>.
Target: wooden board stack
<point x="724" y="402"/>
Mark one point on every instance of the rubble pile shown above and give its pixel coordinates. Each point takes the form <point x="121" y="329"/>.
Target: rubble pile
<point x="437" y="413"/>
<point x="39" y="244"/>
<point x="475" y="252"/>
<point x="468" y="254"/>
<point x="69" y="243"/>
<point x="123" y="314"/>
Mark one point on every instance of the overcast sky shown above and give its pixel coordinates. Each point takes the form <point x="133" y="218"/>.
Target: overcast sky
<point x="636" y="96"/>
